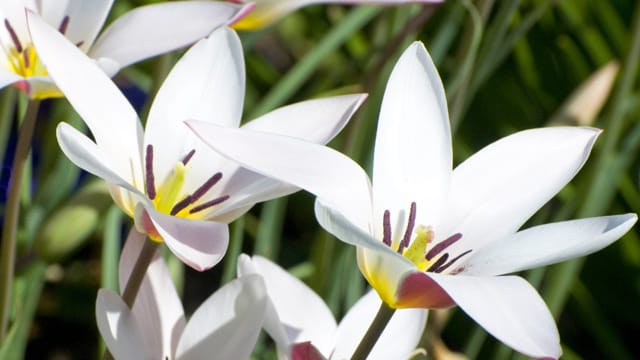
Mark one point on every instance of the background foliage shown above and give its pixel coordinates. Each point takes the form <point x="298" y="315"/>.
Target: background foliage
<point x="507" y="65"/>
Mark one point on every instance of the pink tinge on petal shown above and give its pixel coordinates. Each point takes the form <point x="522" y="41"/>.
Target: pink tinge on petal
<point x="305" y="351"/>
<point x="23" y="85"/>
<point x="418" y="290"/>
<point x="145" y="225"/>
<point x="242" y="13"/>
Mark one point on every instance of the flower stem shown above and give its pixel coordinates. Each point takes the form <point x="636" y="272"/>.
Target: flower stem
<point x="139" y="270"/>
<point x="12" y="213"/>
<point x="375" y="330"/>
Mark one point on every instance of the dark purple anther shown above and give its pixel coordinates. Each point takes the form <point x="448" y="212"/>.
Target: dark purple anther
<point x="181" y="205"/>
<point x="25" y="55"/>
<point x="447" y="265"/>
<point x="407" y="233"/>
<point x="439" y="247"/>
<point x="386" y="228"/>
<point x="206" y="186"/>
<point x="188" y="157"/>
<point x="436" y="265"/>
<point x="149" y="179"/>
<point x="209" y="204"/>
<point x="64" y="25"/>
<point x="14" y="37"/>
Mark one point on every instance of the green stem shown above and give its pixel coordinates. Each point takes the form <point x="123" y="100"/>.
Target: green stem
<point x="139" y="269"/>
<point x="12" y="213"/>
<point x="375" y="330"/>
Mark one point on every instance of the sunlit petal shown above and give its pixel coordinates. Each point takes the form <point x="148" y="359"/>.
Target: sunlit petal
<point x="227" y="324"/>
<point x="548" y="244"/>
<point x="302" y="313"/>
<point x="154" y="29"/>
<point x="509" y="308"/>
<point x="94" y="96"/>
<point x="318" y="169"/>
<point x="118" y="327"/>
<point x="199" y="244"/>
<point x="497" y="189"/>
<point x="412" y="157"/>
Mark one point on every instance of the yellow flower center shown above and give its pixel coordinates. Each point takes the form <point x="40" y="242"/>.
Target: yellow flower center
<point x="171" y="198"/>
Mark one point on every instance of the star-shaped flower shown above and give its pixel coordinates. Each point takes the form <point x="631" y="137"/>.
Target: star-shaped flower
<point x="178" y="190"/>
<point x="429" y="236"/>
<point x="141" y="33"/>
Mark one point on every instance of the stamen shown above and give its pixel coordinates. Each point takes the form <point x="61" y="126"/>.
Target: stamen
<point x="64" y="25"/>
<point x="188" y="157"/>
<point x="79" y="43"/>
<point x="209" y="204"/>
<point x="436" y="265"/>
<point x="386" y="228"/>
<point x="14" y="37"/>
<point x="206" y="186"/>
<point x="447" y="265"/>
<point x="182" y="204"/>
<point x="150" y="181"/>
<point x="407" y="234"/>
<point x="442" y="245"/>
<point x="25" y="55"/>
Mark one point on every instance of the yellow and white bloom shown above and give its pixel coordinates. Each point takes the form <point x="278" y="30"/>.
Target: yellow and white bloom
<point x="432" y="237"/>
<point x="266" y="12"/>
<point x="141" y="33"/>
<point x="227" y="324"/>
<point x="177" y="189"/>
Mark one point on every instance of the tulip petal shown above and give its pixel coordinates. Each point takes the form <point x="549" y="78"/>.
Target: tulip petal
<point x="113" y="122"/>
<point x="318" y="169"/>
<point x="85" y="18"/>
<point x="303" y="314"/>
<point x="197" y="243"/>
<point x="496" y="190"/>
<point x="398" y="340"/>
<point x="227" y="324"/>
<point x="412" y="159"/>
<point x="88" y="156"/>
<point x="118" y="326"/>
<point x="317" y="121"/>
<point x="548" y="244"/>
<point x="157" y="308"/>
<point x="7" y="77"/>
<point x="509" y="308"/>
<point x="206" y="84"/>
<point x="155" y="29"/>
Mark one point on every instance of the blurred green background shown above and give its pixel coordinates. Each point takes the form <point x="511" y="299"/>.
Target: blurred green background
<point x="507" y="66"/>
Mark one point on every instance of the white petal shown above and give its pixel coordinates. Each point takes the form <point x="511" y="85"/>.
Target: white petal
<point x="113" y="122"/>
<point x="227" y="324"/>
<point x="412" y="159"/>
<point x="399" y="338"/>
<point x="303" y="314"/>
<point x="320" y="170"/>
<point x="317" y="121"/>
<point x="155" y="29"/>
<point x="496" y="190"/>
<point x="157" y="308"/>
<point x="85" y="18"/>
<point x="206" y="84"/>
<point x="88" y="156"/>
<point x="548" y="244"/>
<point x="509" y="308"/>
<point x="199" y="244"/>
<point x="118" y="327"/>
